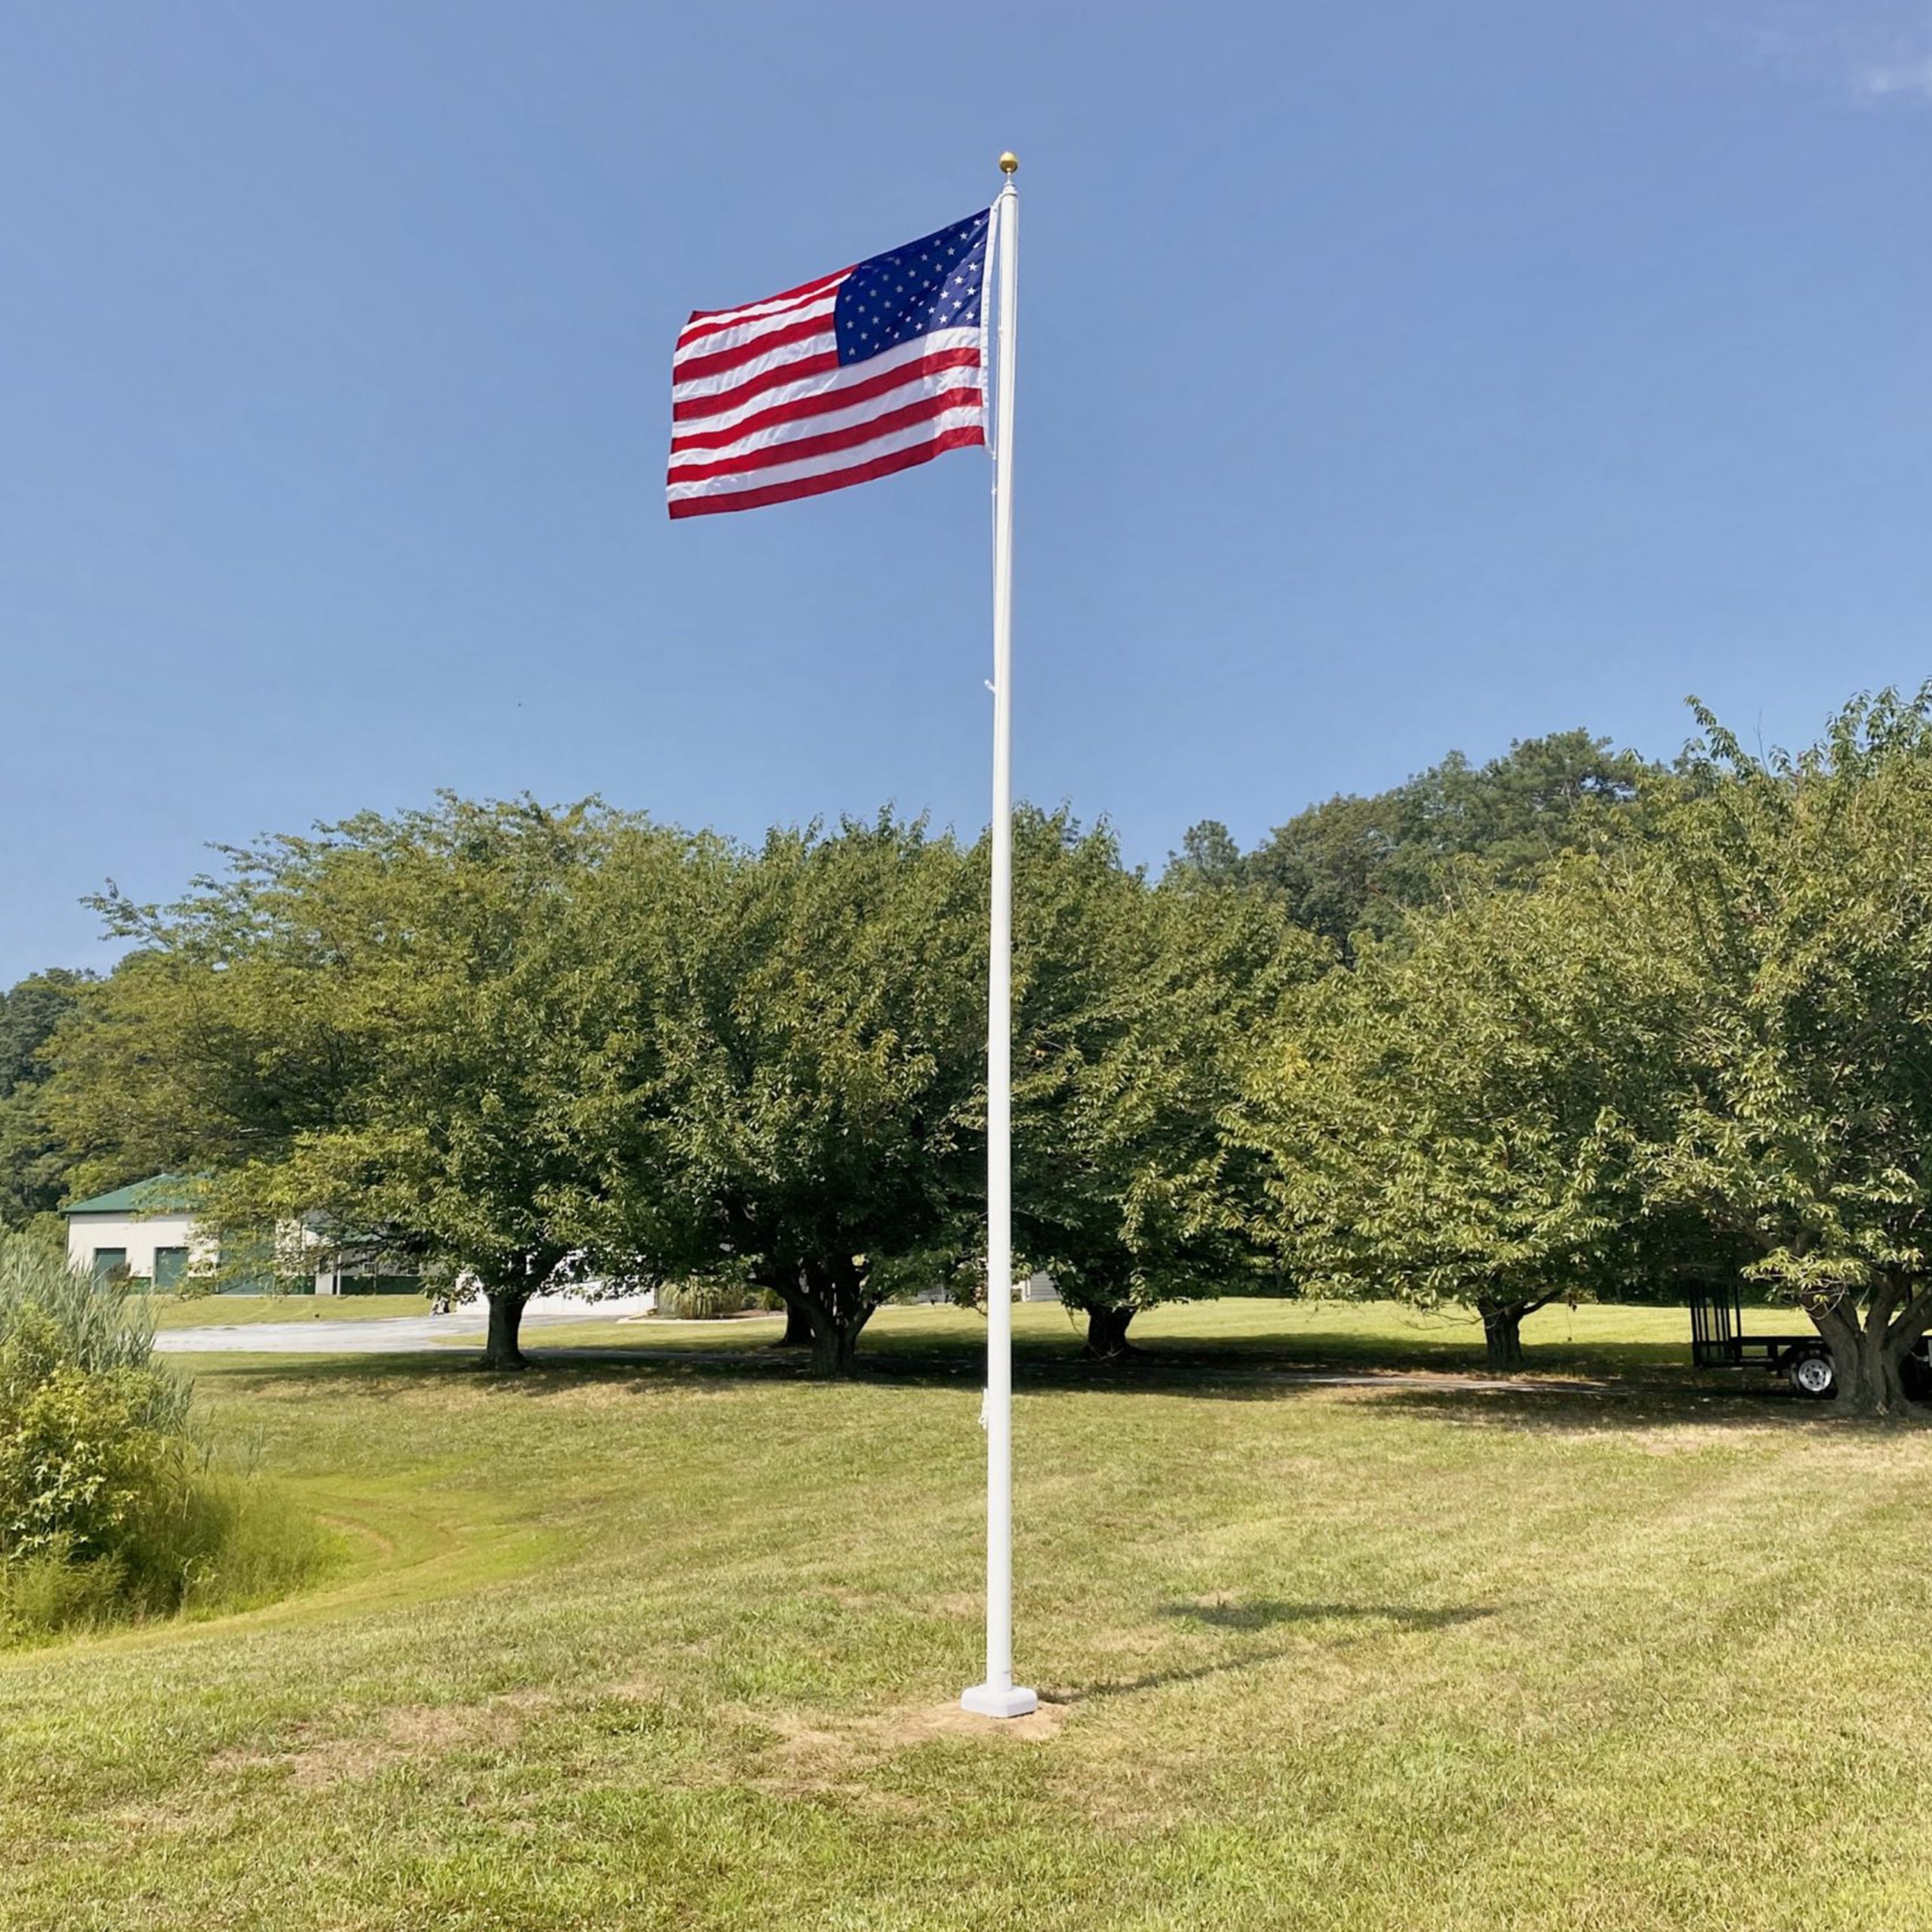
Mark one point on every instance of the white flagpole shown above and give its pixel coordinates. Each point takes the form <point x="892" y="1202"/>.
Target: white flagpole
<point x="999" y="1697"/>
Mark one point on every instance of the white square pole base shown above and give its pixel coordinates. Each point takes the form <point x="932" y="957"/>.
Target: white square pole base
<point x="987" y="1700"/>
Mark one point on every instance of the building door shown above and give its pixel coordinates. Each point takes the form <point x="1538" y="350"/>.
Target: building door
<point x="110" y="1263"/>
<point x="170" y="1265"/>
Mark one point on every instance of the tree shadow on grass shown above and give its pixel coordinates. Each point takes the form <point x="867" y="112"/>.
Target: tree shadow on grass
<point x="1265" y="1613"/>
<point x="1619" y="1409"/>
<point x="1233" y="1375"/>
<point x="1613" y="1402"/>
<point x="1270" y="1612"/>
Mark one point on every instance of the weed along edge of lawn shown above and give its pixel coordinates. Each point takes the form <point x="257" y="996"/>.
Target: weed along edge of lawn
<point x="659" y="1643"/>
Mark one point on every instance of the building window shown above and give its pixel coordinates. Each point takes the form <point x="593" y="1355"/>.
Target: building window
<point x="110" y="1264"/>
<point x="170" y="1265"/>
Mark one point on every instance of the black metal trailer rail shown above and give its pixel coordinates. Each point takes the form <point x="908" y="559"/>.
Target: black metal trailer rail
<point x="1718" y="1341"/>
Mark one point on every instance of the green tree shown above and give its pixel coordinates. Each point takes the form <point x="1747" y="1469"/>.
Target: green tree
<point x="1208" y="855"/>
<point x="33" y="1163"/>
<point x="1704" y="1050"/>
<point x="1791" y="897"/>
<point x="1458" y="1118"/>
<point x="1352" y="863"/>
<point x="799" y="1095"/>
<point x="382" y="1031"/>
<point x="1133" y="1007"/>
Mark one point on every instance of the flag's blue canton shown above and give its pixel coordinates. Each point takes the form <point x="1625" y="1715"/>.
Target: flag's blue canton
<point x="928" y="284"/>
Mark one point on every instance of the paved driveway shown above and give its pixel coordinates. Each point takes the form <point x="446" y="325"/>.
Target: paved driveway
<point x="391" y="1335"/>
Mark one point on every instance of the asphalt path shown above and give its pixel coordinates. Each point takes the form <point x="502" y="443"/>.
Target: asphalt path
<point x="464" y="1326"/>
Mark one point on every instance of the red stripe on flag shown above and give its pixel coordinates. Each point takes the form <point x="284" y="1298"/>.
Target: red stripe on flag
<point x="693" y="368"/>
<point x="697" y="407"/>
<point x="836" y="479"/>
<point x="823" y="401"/>
<point x="730" y="334"/>
<point x="850" y="437"/>
<point x="714" y="319"/>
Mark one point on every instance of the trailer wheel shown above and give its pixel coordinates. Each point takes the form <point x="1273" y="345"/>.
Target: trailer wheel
<point x="1813" y="1373"/>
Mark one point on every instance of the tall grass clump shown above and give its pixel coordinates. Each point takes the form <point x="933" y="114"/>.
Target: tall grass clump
<point x="110" y="1508"/>
<point x="703" y="1301"/>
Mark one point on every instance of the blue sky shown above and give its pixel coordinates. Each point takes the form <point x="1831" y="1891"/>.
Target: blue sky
<point x="1394" y="377"/>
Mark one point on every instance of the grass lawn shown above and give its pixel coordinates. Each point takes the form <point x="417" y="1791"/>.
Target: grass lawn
<point x="675" y="1644"/>
<point x="1590" y="1341"/>
<point x="172" y="1311"/>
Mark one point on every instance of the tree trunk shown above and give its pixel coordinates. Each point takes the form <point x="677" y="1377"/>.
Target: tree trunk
<point x="826" y="1308"/>
<point x="1866" y="1364"/>
<point x="834" y="1340"/>
<point x="499" y="1348"/>
<point x="1502" y="1337"/>
<point x="1106" y="1333"/>
<point x="1868" y="1355"/>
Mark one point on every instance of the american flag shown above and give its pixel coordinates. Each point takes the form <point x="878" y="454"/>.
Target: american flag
<point x="854" y="376"/>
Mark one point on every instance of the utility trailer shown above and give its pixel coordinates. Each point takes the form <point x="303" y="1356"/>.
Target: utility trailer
<point x="1717" y="1341"/>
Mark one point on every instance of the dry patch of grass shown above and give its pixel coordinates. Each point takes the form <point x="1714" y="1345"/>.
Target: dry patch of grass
<point x="845" y="1757"/>
<point x="317" y="1759"/>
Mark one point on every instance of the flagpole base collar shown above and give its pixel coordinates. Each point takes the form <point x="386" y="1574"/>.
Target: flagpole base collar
<point x="991" y="1700"/>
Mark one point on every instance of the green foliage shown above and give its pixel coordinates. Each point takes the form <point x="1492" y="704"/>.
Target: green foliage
<point x="1704" y="1050"/>
<point x="1208" y="855"/>
<point x="1454" y="1120"/>
<point x="30" y="1015"/>
<point x="251" y="1543"/>
<point x="1355" y="863"/>
<point x="796" y="1068"/>
<point x="520" y="1047"/>
<point x="47" y="1591"/>
<point x="1790" y="896"/>
<point x="1134" y="1007"/>
<point x="806" y="1098"/>
<point x="34" y="1165"/>
<point x="1602" y="1030"/>
<point x="107" y="1506"/>
<point x="94" y="1449"/>
<point x="57" y="1314"/>
<point x="85" y="1459"/>
<point x="703" y="1301"/>
<point x="382" y="1030"/>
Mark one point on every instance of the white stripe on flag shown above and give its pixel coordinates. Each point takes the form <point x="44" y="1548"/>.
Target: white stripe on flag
<point x="741" y="332"/>
<point x="848" y="377"/>
<point x="928" y="432"/>
<point x="917" y="384"/>
<point x="711" y="318"/>
<point x="824" y="343"/>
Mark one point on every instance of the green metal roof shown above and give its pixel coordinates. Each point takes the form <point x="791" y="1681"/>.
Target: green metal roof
<point x="162" y="1194"/>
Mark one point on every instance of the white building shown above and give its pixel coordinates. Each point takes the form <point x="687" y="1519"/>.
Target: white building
<point x="146" y="1233"/>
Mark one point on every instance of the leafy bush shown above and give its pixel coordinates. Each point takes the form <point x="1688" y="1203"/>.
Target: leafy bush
<point x="108" y="1506"/>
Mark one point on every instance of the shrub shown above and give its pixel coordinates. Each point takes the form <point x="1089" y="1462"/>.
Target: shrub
<point x="108" y="1506"/>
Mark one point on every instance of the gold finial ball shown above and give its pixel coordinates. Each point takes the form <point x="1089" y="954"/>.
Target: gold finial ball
<point x="1009" y="162"/>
